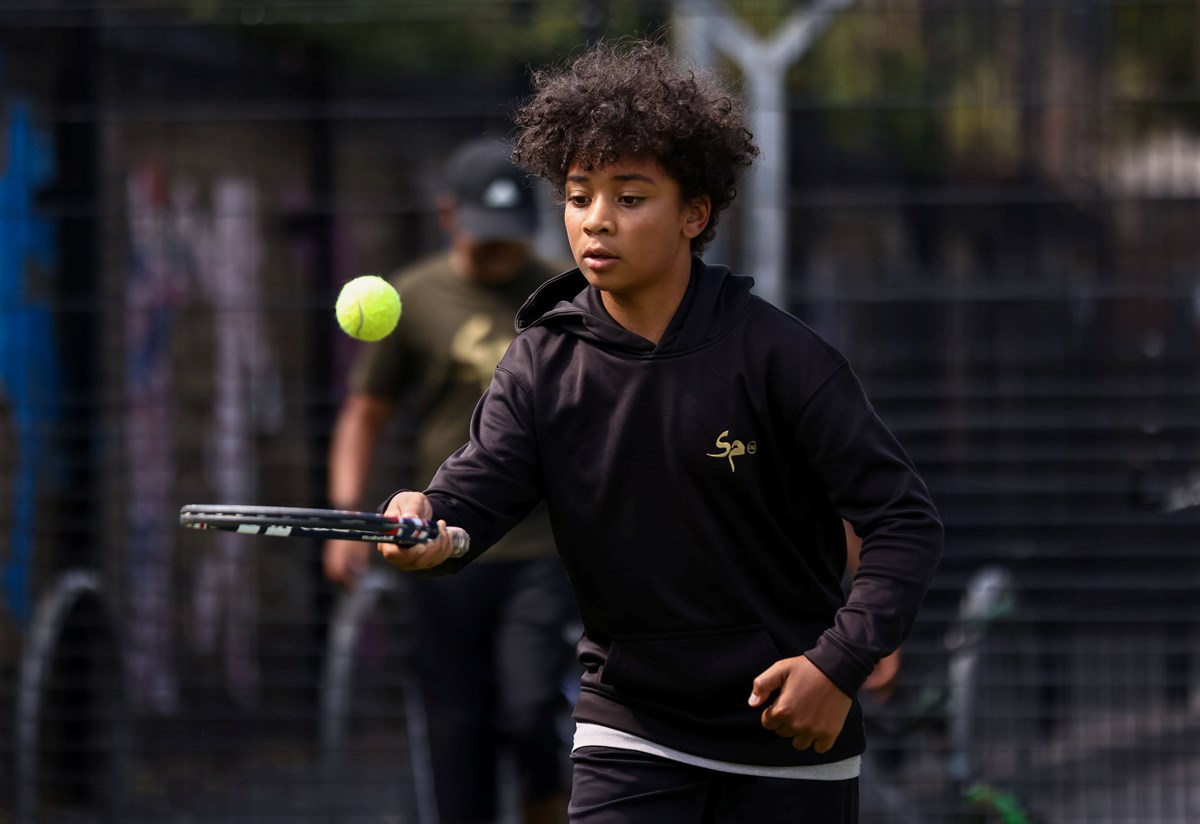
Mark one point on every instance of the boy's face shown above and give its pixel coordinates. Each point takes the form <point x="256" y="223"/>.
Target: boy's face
<point x="628" y="229"/>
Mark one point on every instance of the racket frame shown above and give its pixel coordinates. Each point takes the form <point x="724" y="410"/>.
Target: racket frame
<point x="328" y="524"/>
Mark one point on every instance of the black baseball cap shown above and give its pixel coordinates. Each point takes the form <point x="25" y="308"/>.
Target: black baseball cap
<point x="493" y="197"/>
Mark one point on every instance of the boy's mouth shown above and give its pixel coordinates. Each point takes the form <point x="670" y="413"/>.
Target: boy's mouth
<point x="598" y="258"/>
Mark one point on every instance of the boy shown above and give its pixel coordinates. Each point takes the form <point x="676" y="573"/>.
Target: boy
<point x="697" y="449"/>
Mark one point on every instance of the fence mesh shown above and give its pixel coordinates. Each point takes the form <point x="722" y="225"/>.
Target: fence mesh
<point x="992" y="208"/>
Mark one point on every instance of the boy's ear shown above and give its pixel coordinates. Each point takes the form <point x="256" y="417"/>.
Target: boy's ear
<point x="696" y="214"/>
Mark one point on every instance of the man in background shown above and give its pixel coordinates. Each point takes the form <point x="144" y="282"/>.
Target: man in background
<point x="492" y="651"/>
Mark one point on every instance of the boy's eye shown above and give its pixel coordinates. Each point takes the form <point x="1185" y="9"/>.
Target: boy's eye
<point x="630" y="200"/>
<point x="577" y="200"/>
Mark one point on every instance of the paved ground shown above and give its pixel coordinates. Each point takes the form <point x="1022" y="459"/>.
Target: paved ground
<point x="1120" y="748"/>
<point x="1117" y="770"/>
<point x="1113" y="769"/>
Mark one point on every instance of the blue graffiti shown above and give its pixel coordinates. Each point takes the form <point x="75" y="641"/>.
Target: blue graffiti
<point x="30" y="384"/>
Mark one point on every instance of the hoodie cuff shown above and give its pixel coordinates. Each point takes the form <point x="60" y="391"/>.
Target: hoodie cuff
<point x="845" y="671"/>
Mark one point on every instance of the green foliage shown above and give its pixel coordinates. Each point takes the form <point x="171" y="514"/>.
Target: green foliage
<point x="936" y="85"/>
<point x="1156" y="55"/>
<point x="442" y="36"/>
<point x="763" y="17"/>
<point x="940" y="88"/>
<point x="455" y="36"/>
<point x="870" y="72"/>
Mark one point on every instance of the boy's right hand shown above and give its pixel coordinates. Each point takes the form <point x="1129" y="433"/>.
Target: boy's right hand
<point x="801" y="703"/>
<point x="419" y="556"/>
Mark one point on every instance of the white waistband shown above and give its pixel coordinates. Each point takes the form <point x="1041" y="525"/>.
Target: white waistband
<point x="594" y="735"/>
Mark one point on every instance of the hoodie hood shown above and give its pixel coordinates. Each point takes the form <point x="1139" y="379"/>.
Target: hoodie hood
<point x="714" y="300"/>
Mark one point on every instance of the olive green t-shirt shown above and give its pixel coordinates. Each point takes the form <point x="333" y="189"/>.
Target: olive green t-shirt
<point x="438" y="362"/>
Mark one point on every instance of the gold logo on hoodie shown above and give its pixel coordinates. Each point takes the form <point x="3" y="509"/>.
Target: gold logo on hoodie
<point x="732" y="449"/>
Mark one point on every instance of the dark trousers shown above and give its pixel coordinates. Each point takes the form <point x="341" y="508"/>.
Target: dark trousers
<point x="492" y="656"/>
<point x="613" y="786"/>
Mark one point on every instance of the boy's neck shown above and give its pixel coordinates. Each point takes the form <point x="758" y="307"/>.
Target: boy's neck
<point x="648" y="313"/>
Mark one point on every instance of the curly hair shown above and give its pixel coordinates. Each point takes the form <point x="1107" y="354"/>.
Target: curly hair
<point x="633" y="97"/>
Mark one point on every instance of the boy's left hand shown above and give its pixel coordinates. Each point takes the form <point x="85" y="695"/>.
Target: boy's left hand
<point x="808" y="708"/>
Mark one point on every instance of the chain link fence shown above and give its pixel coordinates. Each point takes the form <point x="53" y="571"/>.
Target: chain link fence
<point x="991" y="208"/>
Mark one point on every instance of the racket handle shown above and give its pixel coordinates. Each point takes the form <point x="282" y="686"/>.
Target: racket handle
<point x="460" y="540"/>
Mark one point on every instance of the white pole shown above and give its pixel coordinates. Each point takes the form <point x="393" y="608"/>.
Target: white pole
<point x="764" y="64"/>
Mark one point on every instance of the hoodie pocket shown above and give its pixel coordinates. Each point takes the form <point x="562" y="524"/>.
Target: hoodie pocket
<point x="705" y="674"/>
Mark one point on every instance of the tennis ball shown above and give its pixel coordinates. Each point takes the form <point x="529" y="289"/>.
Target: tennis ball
<point x="368" y="308"/>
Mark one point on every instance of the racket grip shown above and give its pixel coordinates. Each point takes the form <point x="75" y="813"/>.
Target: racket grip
<point x="460" y="540"/>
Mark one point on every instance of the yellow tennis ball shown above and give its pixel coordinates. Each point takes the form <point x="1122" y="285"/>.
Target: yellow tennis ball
<point x="368" y="308"/>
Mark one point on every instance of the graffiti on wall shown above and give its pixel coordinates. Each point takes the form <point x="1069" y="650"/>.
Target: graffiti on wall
<point x="247" y="399"/>
<point x="160" y="279"/>
<point x="187" y="251"/>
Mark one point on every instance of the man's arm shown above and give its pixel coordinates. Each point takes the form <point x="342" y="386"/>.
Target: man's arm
<point x="355" y="436"/>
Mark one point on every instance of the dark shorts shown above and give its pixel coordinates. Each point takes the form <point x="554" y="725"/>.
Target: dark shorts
<point x="612" y="786"/>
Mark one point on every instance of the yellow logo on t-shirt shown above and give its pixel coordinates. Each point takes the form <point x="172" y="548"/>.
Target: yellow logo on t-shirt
<point x="474" y="349"/>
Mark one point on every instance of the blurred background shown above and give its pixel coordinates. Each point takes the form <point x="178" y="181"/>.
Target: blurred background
<point x="991" y="206"/>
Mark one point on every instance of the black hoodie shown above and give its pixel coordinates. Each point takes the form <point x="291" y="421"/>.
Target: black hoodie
<point x="696" y="489"/>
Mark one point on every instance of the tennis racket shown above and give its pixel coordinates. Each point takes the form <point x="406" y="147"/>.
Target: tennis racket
<point x="298" y="522"/>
